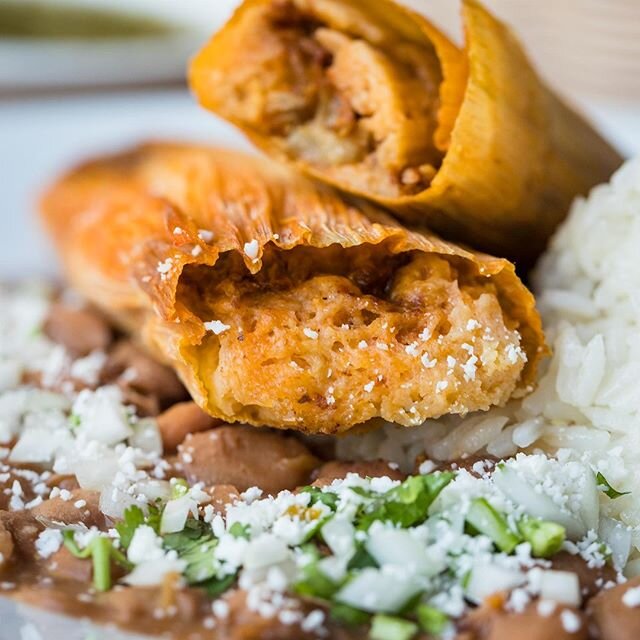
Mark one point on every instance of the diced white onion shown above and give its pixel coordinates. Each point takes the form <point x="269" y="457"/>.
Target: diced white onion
<point x="96" y="473"/>
<point x="333" y="567"/>
<point x="39" y="445"/>
<point x="154" y="490"/>
<point x="10" y="374"/>
<point x="618" y="537"/>
<point x="590" y="501"/>
<point x="265" y="550"/>
<point x="175" y="514"/>
<point x="560" y="586"/>
<point x="102" y="415"/>
<point x="146" y="436"/>
<point x="398" y="547"/>
<point x="385" y="589"/>
<point x="537" y="504"/>
<point x="15" y="403"/>
<point x="114" y="502"/>
<point x="487" y="579"/>
<point x="339" y="534"/>
<point x="149" y="574"/>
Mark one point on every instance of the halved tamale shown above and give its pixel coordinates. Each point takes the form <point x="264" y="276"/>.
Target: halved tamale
<point x="372" y="98"/>
<point x="280" y="304"/>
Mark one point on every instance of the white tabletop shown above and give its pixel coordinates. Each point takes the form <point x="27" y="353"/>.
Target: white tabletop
<point x="41" y="138"/>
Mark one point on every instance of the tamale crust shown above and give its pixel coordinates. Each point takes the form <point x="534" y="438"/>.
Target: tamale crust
<point x="509" y="119"/>
<point x="129" y="227"/>
<point x="514" y="154"/>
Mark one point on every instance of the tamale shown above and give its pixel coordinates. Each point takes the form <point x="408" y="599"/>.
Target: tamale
<point x="372" y="98"/>
<point x="280" y="304"/>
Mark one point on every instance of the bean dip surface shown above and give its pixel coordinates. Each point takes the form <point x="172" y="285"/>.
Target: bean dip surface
<point x="122" y="502"/>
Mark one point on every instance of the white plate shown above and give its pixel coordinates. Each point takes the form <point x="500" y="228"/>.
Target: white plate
<point x="21" y="622"/>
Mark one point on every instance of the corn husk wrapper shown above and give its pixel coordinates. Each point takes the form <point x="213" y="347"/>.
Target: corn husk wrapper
<point x="127" y="227"/>
<point x="513" y="154"/>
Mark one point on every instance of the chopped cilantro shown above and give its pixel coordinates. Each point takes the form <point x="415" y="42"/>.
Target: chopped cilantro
<point x="120" y="558"/>
<point x="36" y="332"/>
<point x="466" y="579"/>
<point x="315" y="583"/>
<point x="239" y="530"/>
<point x="201" y="563"/>
<point x="545" y="537"/>
<point x="384" y="627"/>
<point x="408" y="503"/>
<point x="101" y="555"/>
<point x="409" y="606"/>
<point x="348" y="615"/>
<point x="605" y="487"/>
<point x="101" y="551"/>
<point x="179" y="488"/>
<point x="217" y="586"/>
<point x="71" y="544"/>
<point x="195" y="545"/>
<point x="365" y="493"/>
<point x="133" y="517"/>
<point x="605" y="551"/>
<point x="153" y="517"/>
<point x="310" y="552"/>
<point x="315" y="529"/>
<point x="484" y="519"/>
<point x="325" y="497"/>
<point x="194" y="532"/>
<point x="431" y="620"/>
<point x="361" y="559"/>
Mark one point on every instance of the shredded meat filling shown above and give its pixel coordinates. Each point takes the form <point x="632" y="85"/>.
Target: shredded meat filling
<point x="348" y="335"/>
<point x="357" y="106"/>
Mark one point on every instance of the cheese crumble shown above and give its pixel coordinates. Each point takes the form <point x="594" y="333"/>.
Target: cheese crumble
<point x="251" y="249"/>
<point x="310" y="333"/>
<point x="216" y="327"/>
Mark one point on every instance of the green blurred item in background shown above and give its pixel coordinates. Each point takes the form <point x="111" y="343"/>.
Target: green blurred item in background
<point x="45" y="20"/>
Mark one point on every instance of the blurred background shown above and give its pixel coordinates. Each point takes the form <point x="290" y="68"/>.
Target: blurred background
<point x="79" y="77"/>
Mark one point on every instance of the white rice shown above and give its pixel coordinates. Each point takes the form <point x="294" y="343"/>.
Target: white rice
<point x="587" y="404"/>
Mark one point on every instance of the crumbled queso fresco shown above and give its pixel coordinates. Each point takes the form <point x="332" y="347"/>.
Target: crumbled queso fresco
<point x="408" y="557"/>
